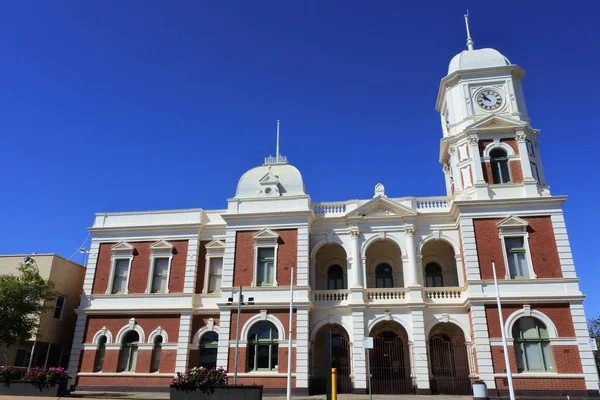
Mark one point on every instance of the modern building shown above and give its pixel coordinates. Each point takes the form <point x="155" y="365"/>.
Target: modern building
<point x="51" y="344"/>
<point x="416" y="274"/>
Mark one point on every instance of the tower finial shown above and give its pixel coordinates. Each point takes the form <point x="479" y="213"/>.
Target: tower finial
<point x="469" y="40"/>
<point x="277" y="147"/>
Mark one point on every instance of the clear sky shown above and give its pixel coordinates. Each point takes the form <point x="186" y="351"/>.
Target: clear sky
<point x="143" y="105"/>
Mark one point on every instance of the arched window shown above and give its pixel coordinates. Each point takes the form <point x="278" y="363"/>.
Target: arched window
<point x="384" y="276"/>
<point x="156" y="352"/>
<point x="532" y="345"/>
<point x="499" y="162"/>
<point x="335" y="278"/>
<point x="433" y="275"/>
<point x="263" y="347"/>
<point x="99" y="361"/>
<point x="208" y="350"/>
<point x="128" y="356"/>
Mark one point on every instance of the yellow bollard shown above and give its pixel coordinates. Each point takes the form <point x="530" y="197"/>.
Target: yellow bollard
<point x="333" y="384"/>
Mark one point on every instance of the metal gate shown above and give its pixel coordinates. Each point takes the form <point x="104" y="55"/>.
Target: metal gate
<point x="449" y="366"/>
<point x="320" y="372"/>
<point x="390" y="366"/>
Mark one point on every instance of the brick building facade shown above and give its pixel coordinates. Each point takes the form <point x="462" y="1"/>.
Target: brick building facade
<point x="416" y="274"/>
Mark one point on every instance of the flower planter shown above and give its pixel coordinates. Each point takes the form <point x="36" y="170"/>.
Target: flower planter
<point x="480" y="391"/>
<point x="218" y="392"/>
<point x="26" y="388"/>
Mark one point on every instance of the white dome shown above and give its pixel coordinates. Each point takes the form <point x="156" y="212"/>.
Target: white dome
<point x="475" y="59"/>
<point x="289" y="180"/>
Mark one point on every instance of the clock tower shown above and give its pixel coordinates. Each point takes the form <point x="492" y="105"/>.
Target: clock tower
<point x="489" y="150"/>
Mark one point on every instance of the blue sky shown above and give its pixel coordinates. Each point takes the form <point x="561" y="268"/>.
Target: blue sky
<point x="141" y="105"/>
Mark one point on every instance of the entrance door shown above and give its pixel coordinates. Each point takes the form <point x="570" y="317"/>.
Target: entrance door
<point x="390" y="366"/>
<point x="449" y="366"/>
<point x="340" y="359"/>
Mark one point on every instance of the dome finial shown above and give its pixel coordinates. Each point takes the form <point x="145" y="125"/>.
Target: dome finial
<point x="469" y="40"/>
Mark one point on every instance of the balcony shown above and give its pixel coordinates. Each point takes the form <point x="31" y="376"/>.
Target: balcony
<point x="330" y="298"/>
<point x="443" y="295"/>
<point x="423" y="205"/>
<point x="386" y="296"/>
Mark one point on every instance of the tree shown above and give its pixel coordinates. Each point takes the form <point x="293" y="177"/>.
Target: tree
<point x="23" y="298"/>
<point x="594" y="328"/>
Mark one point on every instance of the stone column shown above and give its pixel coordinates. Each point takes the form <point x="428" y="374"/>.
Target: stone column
<point x="457" y="180"/>
<point x="467" y="235"/>
<point x="410" y="270"/>
<point x="481" y="341"/>
<point x="77" y="345"/>
<point x="355" y="250"/>
<point x="223" y="344"/>
<point x="358" y="352"/>
<point x="588" y="362"/>
<point x="421" y="363"/>
<point x="476" y="157"/>
<point x="524" y="156"/>
<point x="183" y="342"/>
<point x="190" y="267"/>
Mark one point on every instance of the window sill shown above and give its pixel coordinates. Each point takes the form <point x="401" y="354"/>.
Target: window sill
<point x="541" y="375"/>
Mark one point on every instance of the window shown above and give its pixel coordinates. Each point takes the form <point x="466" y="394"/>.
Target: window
<point x="120" y="277"/>
<point x="263" y="347"/>
<point x="128" y="356"/>
<point x="160" y="275"/>
<point x="499" y="162"/>
<point x="60" y="307"/>
<point x="156" y="352"/>
<point x="266" y="266"/>
<point x="433" y="275"/>
<point x="384" y="277"/>
<point x="208" y="350"/>
<point x="532" y="345"/>
<point x="99" y="361"/>
<point x="214" y="275"/>
<point x="534" y="171"/>
<point x="516" y="256"/>
<point x="335" y="278"/>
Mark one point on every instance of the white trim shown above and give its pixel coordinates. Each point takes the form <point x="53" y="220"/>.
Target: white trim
<point x="553" y="342"/>
<point x="538" y="375"/>
<point x="131" y="326"/>
<point x="102" y="332"/>
<point x="516" y="229"/>
<point x="334" y="320"/>
<point x="509" y="150"/>
<point x="120" y="251"/>
<point x="392" y="238"/>
<point x="132" y="374"/>
<point x="158" y="332"/>
<point x="160" y="249"/>
<point x="451" y="320"/>
<point x="214" y="249"/>
<point x="384" y="318"/>
<point x="512" y="318"/>
<point x="442" y="237"/>
<point x="260" y="374"/>
<point x="201" y="332"/>
<point x="260" y="317"/>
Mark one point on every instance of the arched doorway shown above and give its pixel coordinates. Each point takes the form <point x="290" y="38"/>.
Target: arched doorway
<point x="383" y="263"/>
<point x="449" y="361"/>
<point x="341" y="357"/>
<point x="439" y="264"/>
<point x="331" y="270"/>
<point x="390" y="359"/>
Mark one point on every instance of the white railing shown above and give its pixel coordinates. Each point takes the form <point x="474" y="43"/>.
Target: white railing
<point x="442" y="293"/>
<point x="330" y="296"/>
<point x="330" y="209"/>
<point x="433" y="204"/>
<point x="276" y="160"/>
<point x="380" y="295"/>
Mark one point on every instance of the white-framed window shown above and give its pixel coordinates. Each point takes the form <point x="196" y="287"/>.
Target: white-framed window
<point x="129" y="351"/>
<point x="515" y="247"/>
<point x="266" y="244"/>
<point x="213" y="267"/>
<point x="122" y="258"/>
<point x="161" y="257"/>
<point x="532" y="345"/>
<point x="59" y="309"/>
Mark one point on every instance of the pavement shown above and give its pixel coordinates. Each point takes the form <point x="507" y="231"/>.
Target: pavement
<point x="164" y="396"/>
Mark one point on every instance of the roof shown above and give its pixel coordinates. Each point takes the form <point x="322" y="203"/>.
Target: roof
<point x="285" y="176"/>
<point x="475" y="59"/>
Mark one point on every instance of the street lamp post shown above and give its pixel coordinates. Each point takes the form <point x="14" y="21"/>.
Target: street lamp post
<point x="240" y="303"/>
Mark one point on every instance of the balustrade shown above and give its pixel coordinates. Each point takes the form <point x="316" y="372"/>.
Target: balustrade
<point x="330" y="296"/>
<point x="386" y="294"/>
<point x="329" y="209"/>
<point x="442" y="293"/>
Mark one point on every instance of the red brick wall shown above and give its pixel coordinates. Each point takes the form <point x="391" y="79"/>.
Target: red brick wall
<point x="126" y="380"/>
<point x="287" y="256"/>
<point x="148" y="323"/>
<point x="567" y="359"/>
<point x="140" y="267"/>
<point x="542" y="244"/>
<point x="198" y="321"/>
<point x="201" y="266"/>
<point x="560" y="314"/>
<point x="281" y="361"/>
<point x="516" y="172"/>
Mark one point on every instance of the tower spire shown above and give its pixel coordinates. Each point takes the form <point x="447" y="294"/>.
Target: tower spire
<point x="469" y="40"/>
<point x="277" y="146"/>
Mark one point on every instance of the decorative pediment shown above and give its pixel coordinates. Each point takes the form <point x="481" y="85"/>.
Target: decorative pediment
<point x="123" y="247"/>
<point x="269" y="179"/>
<point x="512" y="222"/>
<point x="265" y="234"/>
<point x="215" y="245"/>
<point x="161" y="245"/>
<point x="381" y="207"/>
<point x="496" y="121"/>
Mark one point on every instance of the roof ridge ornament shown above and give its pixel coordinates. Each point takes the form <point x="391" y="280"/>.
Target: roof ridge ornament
<point x="469" y="40"/>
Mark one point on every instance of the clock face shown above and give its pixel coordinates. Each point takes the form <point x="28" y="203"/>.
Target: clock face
<point x="489" y="99"/>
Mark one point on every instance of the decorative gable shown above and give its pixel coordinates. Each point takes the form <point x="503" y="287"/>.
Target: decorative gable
<point x="512" y="224"/>
<point x="269" y="185"/>
<point x="215" y="245"/>
<point x="161" y="245"/>
<point x="496" y="121"/>
<point x="381" y="207"/>
<point x="123" y="248"/>
<point x="265" y="234"/>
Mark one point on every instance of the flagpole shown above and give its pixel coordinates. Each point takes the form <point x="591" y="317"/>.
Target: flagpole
<point x="289" y="371"/>
<point x="511" y="389"/>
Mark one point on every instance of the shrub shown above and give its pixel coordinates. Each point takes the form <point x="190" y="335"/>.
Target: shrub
<point x="200" y="377"/>
<point x="8" y="374"/>
<point x="37" y="376"/>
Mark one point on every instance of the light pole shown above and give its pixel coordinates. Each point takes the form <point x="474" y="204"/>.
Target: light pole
<point x="240" y="303"/>
<point x="30" y="260"/>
